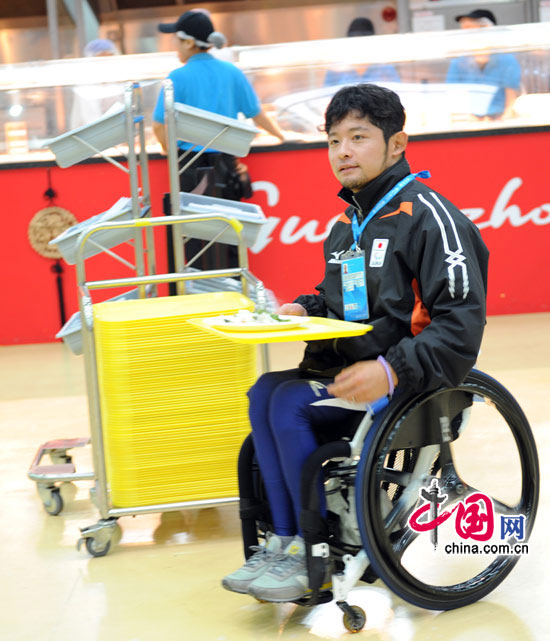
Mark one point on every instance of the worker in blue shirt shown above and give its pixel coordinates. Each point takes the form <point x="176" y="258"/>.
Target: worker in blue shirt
<point x="207" y="82"/>
<point x="218" y="86"/>
<point x="500" y="70"/>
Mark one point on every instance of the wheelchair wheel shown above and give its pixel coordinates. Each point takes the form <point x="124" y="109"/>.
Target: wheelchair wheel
<point x="472" y="439"/>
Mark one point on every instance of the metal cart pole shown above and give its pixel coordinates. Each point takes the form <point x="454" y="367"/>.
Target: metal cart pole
<point x="145" y="182"/>
<point x="172" y="151"/>
<point x="131" y="119"/>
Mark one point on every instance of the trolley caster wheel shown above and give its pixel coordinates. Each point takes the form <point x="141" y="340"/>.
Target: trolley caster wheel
<point x="55" y="503"/>
<point x="98" y="537"/>
<point x="356" y="621"/>
<point x="96" y="549"/>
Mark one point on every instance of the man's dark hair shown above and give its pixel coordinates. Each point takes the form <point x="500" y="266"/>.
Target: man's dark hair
<point x="380" y="105"/>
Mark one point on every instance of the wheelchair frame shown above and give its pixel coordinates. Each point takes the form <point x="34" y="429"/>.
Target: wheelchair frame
<point x="365" y="464"/>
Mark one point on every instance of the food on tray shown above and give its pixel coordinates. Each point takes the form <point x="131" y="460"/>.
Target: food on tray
<point x="245" y="317"/>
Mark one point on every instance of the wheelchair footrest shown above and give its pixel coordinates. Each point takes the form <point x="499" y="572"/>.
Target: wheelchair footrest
<point x="324" y="596"/>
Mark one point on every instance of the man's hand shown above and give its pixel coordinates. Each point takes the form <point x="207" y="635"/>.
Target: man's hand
<point x="241" y="168"/>
<point x="362" y="382"/>
<point x="292" y="309"/>
<point x="160" y="133"/>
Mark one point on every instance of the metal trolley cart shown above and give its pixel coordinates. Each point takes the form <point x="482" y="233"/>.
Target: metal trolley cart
<point x="167" y="403"/>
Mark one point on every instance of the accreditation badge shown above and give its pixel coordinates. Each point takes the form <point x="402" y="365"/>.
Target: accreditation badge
<point x="354" y="286"/>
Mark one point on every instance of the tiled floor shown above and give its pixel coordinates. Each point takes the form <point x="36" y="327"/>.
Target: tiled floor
<point x="162" y="581"/>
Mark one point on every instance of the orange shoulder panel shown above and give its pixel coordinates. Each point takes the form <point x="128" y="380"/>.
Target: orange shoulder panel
<point x="343" y="219"/>
<point x="404" y="208"/>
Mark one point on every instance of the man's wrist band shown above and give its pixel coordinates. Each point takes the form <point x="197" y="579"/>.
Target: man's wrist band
<point x="386" y="366"/>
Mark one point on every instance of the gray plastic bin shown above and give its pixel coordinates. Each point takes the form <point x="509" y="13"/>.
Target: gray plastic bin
<point x="200" y="126"/>
<point x="71" y="332"/>
<point x="103" y="133"/>
<point x="251" y="216"/>
<point x="67" y="242"/>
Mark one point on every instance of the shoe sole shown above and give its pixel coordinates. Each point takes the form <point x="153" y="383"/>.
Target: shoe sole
<point x="265" y="599"/>
<point x="325" y="587"/>
<point x="232" y="589"/>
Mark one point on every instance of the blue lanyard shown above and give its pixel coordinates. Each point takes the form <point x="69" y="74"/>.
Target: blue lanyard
<point x="358" y="230"/>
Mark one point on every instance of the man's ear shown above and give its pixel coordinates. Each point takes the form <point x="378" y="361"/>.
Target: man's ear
<point x="398" y="143"/>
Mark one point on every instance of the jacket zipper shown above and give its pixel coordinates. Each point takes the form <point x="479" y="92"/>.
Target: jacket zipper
<point x="358" y="207"/>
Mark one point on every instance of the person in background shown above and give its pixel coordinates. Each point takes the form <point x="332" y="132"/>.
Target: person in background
<point x="419" y="268"/>
<point x="101" y="47"/>
<point x="356" y="74"/>
<point x="92" y="101"/>
<point x="207" y="82"/>
<point x="500" y="70"/>
<point x="218" y="86"/>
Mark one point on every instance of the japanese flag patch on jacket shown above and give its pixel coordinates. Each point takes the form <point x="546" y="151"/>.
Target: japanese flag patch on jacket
<point x="378" y="252"/>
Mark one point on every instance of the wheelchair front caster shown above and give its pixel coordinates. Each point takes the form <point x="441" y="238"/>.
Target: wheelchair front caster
<point x="354" y="618"/>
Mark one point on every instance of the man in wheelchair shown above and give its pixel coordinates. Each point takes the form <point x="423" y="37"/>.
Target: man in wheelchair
<point x="401" y="258"/>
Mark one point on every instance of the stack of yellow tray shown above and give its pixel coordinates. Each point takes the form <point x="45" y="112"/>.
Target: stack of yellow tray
<point x="173" y="398"/>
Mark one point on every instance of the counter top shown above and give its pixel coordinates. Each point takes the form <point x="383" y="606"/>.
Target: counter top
<point x="482" y="129"/>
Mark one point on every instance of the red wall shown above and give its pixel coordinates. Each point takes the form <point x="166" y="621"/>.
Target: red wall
<point x="30" y="311"/>
<point x="501" y="179"/>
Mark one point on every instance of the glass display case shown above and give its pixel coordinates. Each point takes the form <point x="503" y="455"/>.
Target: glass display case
<point x="42" y="100"/>
<point x="295" y="81"/>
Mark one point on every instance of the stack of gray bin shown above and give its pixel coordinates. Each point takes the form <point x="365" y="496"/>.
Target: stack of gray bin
<point x="120" y="126"/>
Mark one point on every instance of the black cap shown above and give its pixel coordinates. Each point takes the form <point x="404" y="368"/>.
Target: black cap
<point x="478" y="14"/>
<point x="196" y="25"/>
<point x="360" y="27"/>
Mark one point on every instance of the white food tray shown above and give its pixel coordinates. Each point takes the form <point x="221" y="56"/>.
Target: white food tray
<point x="103" y="133"/>
<point x="251" y="216"/>
<point x="67" y="242"/>
<point x="199" y="126"/>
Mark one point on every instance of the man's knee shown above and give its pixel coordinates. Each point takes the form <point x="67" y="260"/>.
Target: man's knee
<point x="262" y="388"/>
<point x="266" y="385"/>
<point x="289" y="401"/>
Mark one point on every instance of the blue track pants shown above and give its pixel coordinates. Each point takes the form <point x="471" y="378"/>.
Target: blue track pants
<point x="285" y="409"/>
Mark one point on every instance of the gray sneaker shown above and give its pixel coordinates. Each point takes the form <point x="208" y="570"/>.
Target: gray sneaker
<point x="286" y="579"/>
<point x="255" y="565"/>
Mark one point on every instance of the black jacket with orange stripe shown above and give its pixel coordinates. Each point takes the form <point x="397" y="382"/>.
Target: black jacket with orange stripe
<point x="426" y="292"/>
